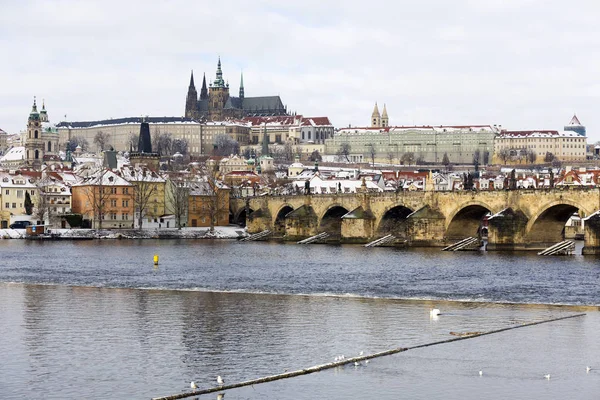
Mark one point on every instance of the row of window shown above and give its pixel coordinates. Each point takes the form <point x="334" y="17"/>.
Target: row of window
<point x="113" y="216"/>
<point x="14" y="205"/>
<point x="113" y="190"/>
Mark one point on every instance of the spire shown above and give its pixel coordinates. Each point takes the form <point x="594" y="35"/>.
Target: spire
<point x="219" y="80"/>
<point x="34" y="108"/>
<point x="204" y="90"/>
<point x="574" y="120"/>
<point x="242" y="85"/>
<point x="192" y="80"/>
<point x="34" y="115"/>
<point x="43" y="113"/>
<point x="265" y="143"/>
<point x="384" y="117"/>
<point x="376" y="117"/>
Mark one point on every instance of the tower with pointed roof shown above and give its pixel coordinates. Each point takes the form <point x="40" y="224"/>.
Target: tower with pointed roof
<point x="242" y="86"/>
<point x="191" y="100"/>
<point x="375" y="117"/>
<point x="385" y="121"/>
<point x="204" y="90"/>
<point x="34" y="143"/>
<point x="576" y="126"/>
<point x="218" y="95"/>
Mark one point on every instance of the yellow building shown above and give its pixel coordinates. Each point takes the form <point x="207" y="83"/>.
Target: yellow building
<point x="514" y="147"/>
<point x="105" y="200"/>
<point x="149" y="197"/>
<point x="14" y="191"/>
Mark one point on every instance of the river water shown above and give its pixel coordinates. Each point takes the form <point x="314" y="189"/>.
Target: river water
<point x="96" y="320"/>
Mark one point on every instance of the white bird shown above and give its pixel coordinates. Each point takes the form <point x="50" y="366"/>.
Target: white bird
<point x="220" y="380"/>
<point x="480" y="373"/>
<point x="434" y="312"/>
<point x="193" y="385"/>
<point x="356" y="363"/>
<point x="547" y="376"/>
<point x="588" y="369"/>
<point x="361" y="353"/>
<point x="220" y="396"/>
<point x="336" y="359"/>
<point x="366" y="361"/>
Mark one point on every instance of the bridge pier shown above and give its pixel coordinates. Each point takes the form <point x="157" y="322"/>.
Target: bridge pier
<point x="506" y="230"/>
<point x="425" y="228"/>
<point x="592" y="234"/>
<point x="358" y="226"/>
<point x="301" y="223"/>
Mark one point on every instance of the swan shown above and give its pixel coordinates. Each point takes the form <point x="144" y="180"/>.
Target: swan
<point x="434" y="312"/>
<point x="480" y="373"/>
<point x="193" y="385"/>
<point x="547" y="376"/>
<point x="588" y="369"/>
<point x="220" y="380"/>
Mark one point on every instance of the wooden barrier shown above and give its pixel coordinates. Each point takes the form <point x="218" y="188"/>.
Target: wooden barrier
<point x="351" y="360"/>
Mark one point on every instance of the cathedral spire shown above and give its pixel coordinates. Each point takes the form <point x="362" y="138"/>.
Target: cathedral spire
<point x="204" y="90"/>
<point x="385" y="121"/>
<point x="192" y="80"/>
<point x="242" y="86"/>
<point x="219" y="80"/>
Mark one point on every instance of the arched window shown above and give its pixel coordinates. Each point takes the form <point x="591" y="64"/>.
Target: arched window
<point x="37" y="154"/>
<point x="49" y="146"/>
<point x="35" y="135"/>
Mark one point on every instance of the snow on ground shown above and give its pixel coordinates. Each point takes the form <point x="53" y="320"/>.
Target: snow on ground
<point x="220" y="232"/>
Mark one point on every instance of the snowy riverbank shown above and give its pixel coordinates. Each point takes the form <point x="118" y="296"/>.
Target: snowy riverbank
<point x="220" y="232"/>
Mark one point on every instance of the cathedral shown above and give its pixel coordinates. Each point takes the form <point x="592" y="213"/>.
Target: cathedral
<point x="215" y="103"/>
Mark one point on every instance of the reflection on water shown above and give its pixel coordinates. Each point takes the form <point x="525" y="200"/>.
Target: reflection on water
<point x="119" y="343"/>
<point x="87" y="329"/>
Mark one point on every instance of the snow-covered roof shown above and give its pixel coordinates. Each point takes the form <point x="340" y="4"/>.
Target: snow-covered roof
<point x="104" y="177"/>
<point x="538" y="134"/>
<point x="14" y="154"/>
<point x="422" y="129"/>
<point x="126" y="121"/>
<point x="139" y="174"/>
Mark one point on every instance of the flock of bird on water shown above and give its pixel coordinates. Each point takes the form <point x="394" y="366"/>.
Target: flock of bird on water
<point x="434" y="313"/>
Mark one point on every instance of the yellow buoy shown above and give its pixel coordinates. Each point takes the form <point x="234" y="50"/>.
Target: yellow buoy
<point x="156" y="259"/>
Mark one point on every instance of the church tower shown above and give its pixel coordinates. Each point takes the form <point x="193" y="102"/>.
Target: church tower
<point x="385" y="121"/>
<point x="191" y="106"/>
<point x="218" y="95"/>
<point x="34" y="144"/>
<point x="375" y="118"/>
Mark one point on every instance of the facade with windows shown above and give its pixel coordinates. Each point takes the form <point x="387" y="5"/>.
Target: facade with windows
<point x="105" y="200"/>
<point x="412" y="144"/>
<point x="15" y="189"/>
<point x="512" y="147"/>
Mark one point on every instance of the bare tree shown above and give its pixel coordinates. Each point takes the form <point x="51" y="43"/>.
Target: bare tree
<point x="390" y="157"/>
<point x="408" y="158"/>
<point x="101" y="140"/>
<point x="180" y="145"/>
<point x="132" y="141"/>
<point x="504" y="155"/>
<point x="549" y="157"/>
<point x="145" y="184"/>
<point x="476" y="159"/>
<point x="315" y="156"/>
<point x="77" y="141"/>
<point x="372" y="153"/>
<point x="225" y="146"/>
<point x="162" y="143"/>
<point x="42" y="208"/>
<point x="97" y="195"/>
<point x="486" y="157"/>
<point x="531" y="156"/>
<point x="178" y="190"/>
<point x="288" y="151"/>
<point x="344" y="151"/>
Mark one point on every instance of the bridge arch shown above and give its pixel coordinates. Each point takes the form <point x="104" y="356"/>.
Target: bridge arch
<point x="240" y="217"/>
<point x="279" y="223"/>
<point x="547" y="225"/>
<point x="393" y="220"/>
<point x="466" y="220"/>
<point x="331" y="220"/>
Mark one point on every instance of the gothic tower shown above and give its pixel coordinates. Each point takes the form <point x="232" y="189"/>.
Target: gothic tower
<point x="375" y="118"/>
<point x="242" y="86"/>
<point x="218" y="95"/>
<point x="191" y="106"/>
<point x="204" y="90"/>
<point x="385" y="121"/>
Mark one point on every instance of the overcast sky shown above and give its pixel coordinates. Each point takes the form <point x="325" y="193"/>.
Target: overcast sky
<point x="524" y="64"/>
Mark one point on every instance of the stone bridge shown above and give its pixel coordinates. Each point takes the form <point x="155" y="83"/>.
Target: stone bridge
<point x="521" y="219"/>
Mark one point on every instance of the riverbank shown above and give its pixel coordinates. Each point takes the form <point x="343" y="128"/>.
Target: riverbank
<point x="220" y="232"/>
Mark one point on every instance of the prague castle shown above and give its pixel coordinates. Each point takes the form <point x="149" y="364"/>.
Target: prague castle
<point x="215" y="103"/>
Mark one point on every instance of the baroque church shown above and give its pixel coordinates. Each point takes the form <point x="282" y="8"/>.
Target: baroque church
<point x="215" y="103"/>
